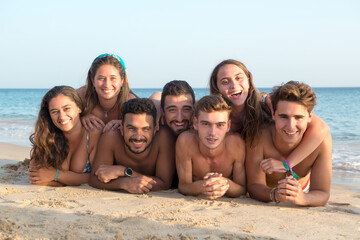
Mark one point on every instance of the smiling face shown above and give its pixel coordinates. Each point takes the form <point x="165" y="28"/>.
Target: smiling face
<point x="233" y="84"/>
<point x="291" y="121"/>
<point x="64" y="113"/>
<point x="212" y="127"/>
<point x="138" y="131"/>
<point x="178" y="111"/>
<point x="107" y="82"/>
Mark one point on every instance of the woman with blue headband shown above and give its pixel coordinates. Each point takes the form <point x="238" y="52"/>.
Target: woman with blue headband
<point x="106" y="91"/>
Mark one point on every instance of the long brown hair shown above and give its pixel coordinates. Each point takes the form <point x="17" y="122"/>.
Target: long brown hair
<point x="49" y="145"/>
<point x="253" y="117"/>
<point x="91" y="97"/>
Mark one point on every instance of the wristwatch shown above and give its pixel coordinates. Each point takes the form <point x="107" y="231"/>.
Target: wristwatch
<point x="128" y="172"/>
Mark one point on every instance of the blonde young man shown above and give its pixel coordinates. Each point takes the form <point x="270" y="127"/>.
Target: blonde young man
<point x="210" y="159"/>
<point x="293" y="105"/>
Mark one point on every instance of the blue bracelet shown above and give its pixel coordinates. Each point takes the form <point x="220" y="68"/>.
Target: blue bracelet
<point x="57" y="175"/>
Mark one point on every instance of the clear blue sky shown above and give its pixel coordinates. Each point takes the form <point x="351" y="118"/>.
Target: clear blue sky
<point x="48" y="43"/>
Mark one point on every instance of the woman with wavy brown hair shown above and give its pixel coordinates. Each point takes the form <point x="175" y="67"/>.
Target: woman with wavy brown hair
<point x="62" y="149"/>
<point x="106" y="91"/>
<point x="234" y="82"/>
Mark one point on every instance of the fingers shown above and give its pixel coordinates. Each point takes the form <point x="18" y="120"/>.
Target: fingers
<point x="215" y="178"/>
<point x="210" y="175"/>
<point x="113" y="125"/>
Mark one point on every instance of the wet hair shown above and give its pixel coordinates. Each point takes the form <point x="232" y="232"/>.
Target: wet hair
<point x="212" y="103"/>
<point x="255" y="113"/>
<point x="49" y="145"/>
<point x="176" y="88"/>
<point x="294" y="91"/>
<point x="91" y="97"/>
<point x="140" y="106"/>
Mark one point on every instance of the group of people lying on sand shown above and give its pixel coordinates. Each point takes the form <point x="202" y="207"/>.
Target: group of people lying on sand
<point x="233" y="142"/>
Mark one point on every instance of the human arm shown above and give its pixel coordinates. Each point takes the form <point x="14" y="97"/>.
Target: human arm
<point x="46" y="176"/>
<point x="256" y="177"/>
<point x="184" y="166"/>
<point x="165" y="163"/>
<point x="289" y="189"/>
<point x="103" y="168"/>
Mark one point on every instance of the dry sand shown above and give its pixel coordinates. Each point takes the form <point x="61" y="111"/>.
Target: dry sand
<point x="36" y="212"/>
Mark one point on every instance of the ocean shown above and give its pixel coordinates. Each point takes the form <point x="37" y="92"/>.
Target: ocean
<point x="338" y="107"/>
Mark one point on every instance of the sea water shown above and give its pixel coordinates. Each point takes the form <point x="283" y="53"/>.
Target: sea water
<point x="338" y="107"/>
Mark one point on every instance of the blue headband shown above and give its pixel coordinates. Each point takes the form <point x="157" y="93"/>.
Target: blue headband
<point x="115" y="56"/>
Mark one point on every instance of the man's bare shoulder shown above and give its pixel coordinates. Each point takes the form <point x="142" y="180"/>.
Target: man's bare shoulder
<point x="234" y="138"/>
<point x="187" y="137"/>
<point x="111" y="137"/>
<point x="164" y="136"/>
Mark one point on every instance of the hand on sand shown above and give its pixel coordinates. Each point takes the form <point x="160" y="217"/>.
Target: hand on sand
<point x="106" y="173"/>
<point x="41" y="176"/>
<point x="271" y="165"/>
<point x="289" y="189"/>
<point x="139" y="184"/>
<point x="215" y="185"/>
<point x="91" y="122"/>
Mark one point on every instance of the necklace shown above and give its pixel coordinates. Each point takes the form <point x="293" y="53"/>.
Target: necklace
<point x="106" y="112"/>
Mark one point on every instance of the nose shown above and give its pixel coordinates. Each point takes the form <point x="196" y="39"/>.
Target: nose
<point x="107" y="82"/>
<point x="292" y="123"/>
<point x="179" y="117"/>
<point x="62" y="114"/>
<point x="212" y="130"/>
<point x="232" y="85"/>
<point x="137" y="134"/>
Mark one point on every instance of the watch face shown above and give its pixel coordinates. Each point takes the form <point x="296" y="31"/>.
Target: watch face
<point x="128" y="172"/>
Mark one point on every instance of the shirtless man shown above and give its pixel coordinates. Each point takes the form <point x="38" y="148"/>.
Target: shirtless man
<point x="210" y="160"/>
<point x="293" y="104"/>
<point x="135" y="159"/>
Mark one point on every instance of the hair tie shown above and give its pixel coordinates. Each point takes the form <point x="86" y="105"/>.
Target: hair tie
<point x="113" y="55"/>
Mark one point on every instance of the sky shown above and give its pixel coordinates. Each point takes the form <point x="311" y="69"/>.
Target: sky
<point x="49" y="43"/>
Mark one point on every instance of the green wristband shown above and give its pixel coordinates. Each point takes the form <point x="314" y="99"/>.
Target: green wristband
<point x="57" y="175"/>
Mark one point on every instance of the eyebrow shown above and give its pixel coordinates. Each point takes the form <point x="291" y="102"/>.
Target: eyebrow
<point x="52" y="109"/>
<point x="235" y="75"/>
<point x="285" y="115"/>
<point x="171" y="106"/>
<point x="203" y="121"/>
<point x="130" y="125"/>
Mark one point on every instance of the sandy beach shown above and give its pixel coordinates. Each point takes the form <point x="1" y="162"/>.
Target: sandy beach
<point x="36" y="212"/>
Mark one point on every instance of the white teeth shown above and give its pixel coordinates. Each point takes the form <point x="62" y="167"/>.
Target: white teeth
<point x="211" y="139"/>
<point x="236" y="93"/>
<point x="290" y="133"/>
<point x="64" y="122"/>
<point x="107" y="90"/>
<point x="179" y="124"/>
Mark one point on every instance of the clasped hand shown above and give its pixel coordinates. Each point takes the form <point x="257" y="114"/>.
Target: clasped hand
<point x="215" y="185"/>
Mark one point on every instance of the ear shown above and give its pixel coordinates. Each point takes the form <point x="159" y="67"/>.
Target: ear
<point x="121" y="128"/>
<point x="310" y="116"/>
<point x="195" y="123"/>
<point x="273" y="115"/>
<point x="162" y="120"/>
<point x="229" y="126"/>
